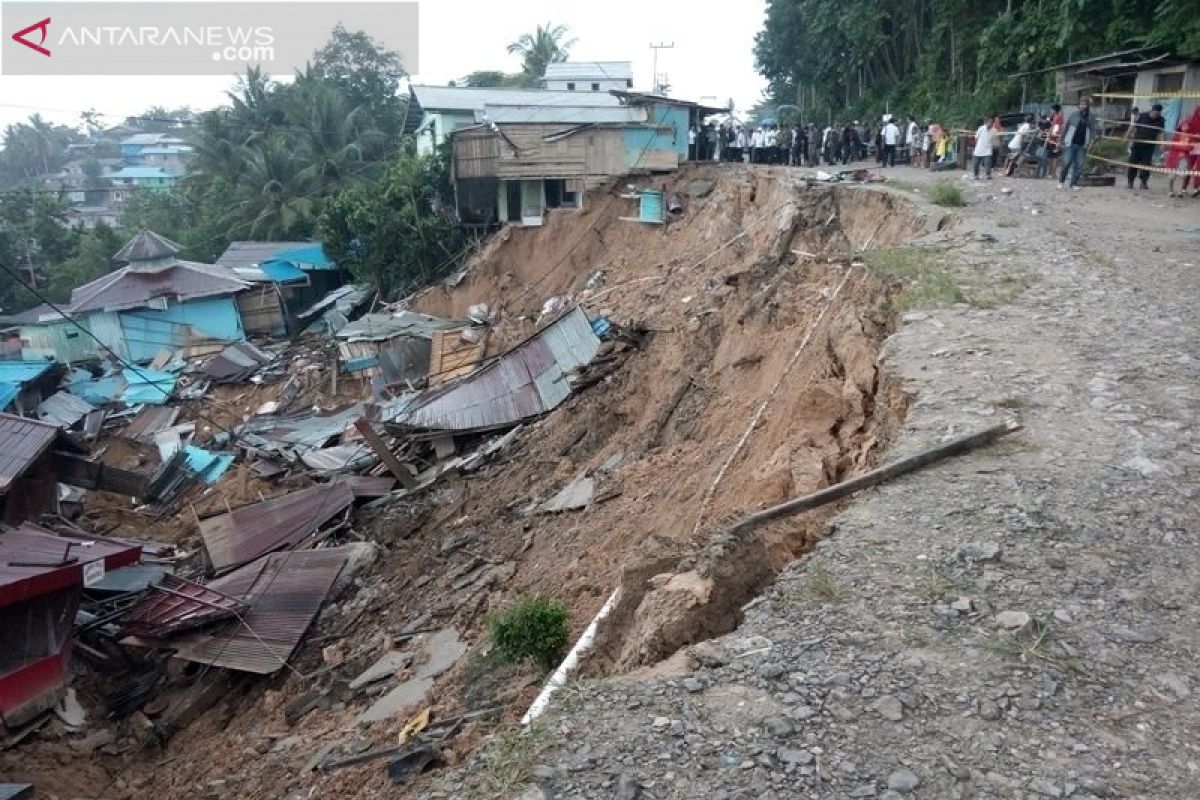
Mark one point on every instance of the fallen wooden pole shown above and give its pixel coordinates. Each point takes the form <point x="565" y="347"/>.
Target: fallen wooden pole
<point x="376" y="443"/>
<point x="895" y="469"/>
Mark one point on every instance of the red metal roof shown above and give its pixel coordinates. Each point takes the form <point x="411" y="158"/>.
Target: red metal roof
<point x="34" y="561"/>
<point x="246" y="533"/>
<point x="284" y="591"/>
<point x="174" y="605"/>
<point x="22" y="442"/>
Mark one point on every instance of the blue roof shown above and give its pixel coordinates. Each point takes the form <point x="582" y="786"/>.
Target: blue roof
<point x="311" y="256"/>
<point x="19" y="372"/>
<point x="281" y="271"/>
<point x="166" y="150"/>
<point x="8" y="393"/>
<point x="142" y="172"/>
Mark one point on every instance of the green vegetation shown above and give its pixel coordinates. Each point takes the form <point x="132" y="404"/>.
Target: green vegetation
<point x="822" y="584"/>
<point x="949" y="59"/>
<point x="534" y="628"/>
<point x="927" y="283"/>
<point x="947" y="193"/>
<point x="508" y="761"/>
<point x="544" y="46"/>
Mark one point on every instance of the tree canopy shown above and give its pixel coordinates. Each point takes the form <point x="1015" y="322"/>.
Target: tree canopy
<point x="544" y="46"/>
<point x="945" y="57"/>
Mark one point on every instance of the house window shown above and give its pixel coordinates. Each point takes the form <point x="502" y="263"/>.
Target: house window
<point x="1168" y="82"/>
<point x="570" y="87"/>
<point x="629" y="83"/>
<point x="595" y="87"/>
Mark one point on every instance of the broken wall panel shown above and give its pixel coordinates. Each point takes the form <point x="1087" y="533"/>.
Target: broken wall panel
<point x="174" y="605"/>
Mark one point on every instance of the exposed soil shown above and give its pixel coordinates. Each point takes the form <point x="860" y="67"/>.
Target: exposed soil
<point x="756" y="266"/>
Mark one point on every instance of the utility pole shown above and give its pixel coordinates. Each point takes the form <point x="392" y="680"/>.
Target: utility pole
<point x="656" y="48"/>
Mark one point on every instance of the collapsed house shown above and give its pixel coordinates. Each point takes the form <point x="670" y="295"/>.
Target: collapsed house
<point x="42" y="574"/>
<point x="285" y="278"/>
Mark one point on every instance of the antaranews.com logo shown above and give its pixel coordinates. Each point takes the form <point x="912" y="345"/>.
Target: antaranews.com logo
<point x="187" y="38"/>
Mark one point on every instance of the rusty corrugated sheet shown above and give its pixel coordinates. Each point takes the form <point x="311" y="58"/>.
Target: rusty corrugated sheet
<point x="174" y="605"/>
<point x="284" y="592"/>
<point x="35" y="560"/>
<point x="246" y="533"/>
<point x="528" y="380"/>
<point x="22" y="442"/>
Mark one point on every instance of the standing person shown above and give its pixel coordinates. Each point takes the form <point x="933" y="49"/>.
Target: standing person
<point x="997" y="138"/>
<point x="1048" y="156"/>
<point x="740" y="142"/>
<point x="936" y="137"/>
<point x="910" y="140"/>
<point x="1080" y="134"/>
<point x="756" y="144"/>
<point x="891" y="138"/>
<point x="692" y="134"/>
<point x="847" y="143"/>
<point x="797" y="154"/>
<point x="1143" y="135"/>
<point x="983" y="149"/>
<point x="1179" y="158"/>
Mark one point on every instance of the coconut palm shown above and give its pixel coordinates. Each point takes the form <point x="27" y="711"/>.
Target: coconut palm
<point x="276" y="197"/>
<point x="543" y="46"/>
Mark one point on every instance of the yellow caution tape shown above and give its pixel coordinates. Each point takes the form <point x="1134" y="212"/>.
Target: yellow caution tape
<point x="1137" y="141"/>
<point x="1186" y="94"/>
<point x="1160" y="170"/>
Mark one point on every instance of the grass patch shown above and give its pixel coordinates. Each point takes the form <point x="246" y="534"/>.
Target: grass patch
<point x="948" y="194"/>
<point x="936" y="584"/>
<point x="534" y="628"/>
<point x="1039" y="643"/>
<point x="822" y="584"/>
<point x="1006" y="290"/>
<point x="927" y="283"/>
<point x="508" y="761"/>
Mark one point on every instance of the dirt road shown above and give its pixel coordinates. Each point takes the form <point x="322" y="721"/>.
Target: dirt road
<point x="1016" y="623"/>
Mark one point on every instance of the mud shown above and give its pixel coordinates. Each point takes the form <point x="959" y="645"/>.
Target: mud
<point x="726" y="293"/>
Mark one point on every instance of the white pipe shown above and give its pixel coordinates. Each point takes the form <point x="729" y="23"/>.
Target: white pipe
<point x="569" y="664"/>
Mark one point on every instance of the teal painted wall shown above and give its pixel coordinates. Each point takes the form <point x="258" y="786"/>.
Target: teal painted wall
<point x="669" y="133"/>
<point x="61" y="341"/>
<point x="147" y="331"/>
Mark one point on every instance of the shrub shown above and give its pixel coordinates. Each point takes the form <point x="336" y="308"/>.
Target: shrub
<point x="945" y="193"/>
<point x="534" y="628"/>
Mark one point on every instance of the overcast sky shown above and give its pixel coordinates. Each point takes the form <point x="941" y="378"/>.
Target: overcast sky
<point x="712" y="59"/>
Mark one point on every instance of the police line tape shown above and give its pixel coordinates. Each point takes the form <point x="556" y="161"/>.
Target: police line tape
<point x="1162" y="142"/>
<point x="1195" y="173"/>
<point x="1183" y="94"/>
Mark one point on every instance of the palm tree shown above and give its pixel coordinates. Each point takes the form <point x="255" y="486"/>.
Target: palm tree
<point x="543" y="46"/>
<point x="276" y="198"/>
<point x="337" y="140"/>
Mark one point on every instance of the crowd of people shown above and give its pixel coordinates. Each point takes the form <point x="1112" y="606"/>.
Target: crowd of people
<point x="1052" y="144"/>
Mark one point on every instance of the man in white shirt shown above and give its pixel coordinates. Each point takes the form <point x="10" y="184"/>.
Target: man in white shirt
<point x="756" y="143"/>
<point x="692" y="132"/>
<point x="983" y="148"/>
<point x="891" y="137"/>
<point x="910" y="139"/>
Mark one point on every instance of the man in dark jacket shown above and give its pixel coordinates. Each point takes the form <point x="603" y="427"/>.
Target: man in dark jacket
<point x="1144" y="134"/>
<point x="1082" y="132"/>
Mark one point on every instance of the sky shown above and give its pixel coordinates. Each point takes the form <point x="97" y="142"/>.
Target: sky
<point x="712" y="60"/>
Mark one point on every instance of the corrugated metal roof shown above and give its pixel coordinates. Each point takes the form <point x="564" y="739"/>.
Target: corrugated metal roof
<point x="22" y="442"/>
<point x="461" y="98"/>
<point x="142" y="172"/>
<point x="175" y="604"/>
<point x="149" y="421"/>
<point x="126" y="289"/>
<point x="304" y="431"/>
<point x="33" y="560"/>
<point x="147" y="246"/>
<point x="566" y="115"/>
<point x="528" y="380"/>
<point x="251" y="254"/>
<point x="589" y="70"/>
<point x="64" y="408"/>
<point x="379" y="327"/>
<point x="284" y="591"/>
<point x="246" y="533"/>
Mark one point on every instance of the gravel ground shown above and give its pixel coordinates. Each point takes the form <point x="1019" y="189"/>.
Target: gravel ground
<point x="1016" y="623"/>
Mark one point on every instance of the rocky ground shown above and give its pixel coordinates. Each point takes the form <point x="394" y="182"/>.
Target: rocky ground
<point x="1016" y="623"/>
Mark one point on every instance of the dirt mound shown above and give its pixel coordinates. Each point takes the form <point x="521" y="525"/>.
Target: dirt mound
<point x="753" y="294"/>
